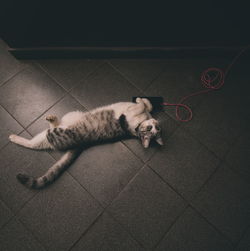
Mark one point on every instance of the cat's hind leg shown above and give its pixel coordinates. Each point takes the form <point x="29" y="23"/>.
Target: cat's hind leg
<point x="53" y="121"/>
<point x="39" y="142"/>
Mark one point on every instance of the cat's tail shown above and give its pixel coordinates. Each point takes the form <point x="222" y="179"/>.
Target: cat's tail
<point x="53" y="172"/>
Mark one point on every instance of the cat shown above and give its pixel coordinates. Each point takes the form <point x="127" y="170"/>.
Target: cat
<point x="77" y="130"/>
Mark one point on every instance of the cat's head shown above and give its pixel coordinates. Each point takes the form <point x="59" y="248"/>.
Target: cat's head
<point x="148" y="130"/>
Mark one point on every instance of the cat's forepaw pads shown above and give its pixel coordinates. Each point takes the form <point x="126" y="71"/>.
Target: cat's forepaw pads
<point x="12" y="137"/>
<point x="51" y="118"/>
<point x="138" y="100"/>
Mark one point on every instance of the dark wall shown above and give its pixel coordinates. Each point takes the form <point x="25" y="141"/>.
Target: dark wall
<point x="41" y="23"/>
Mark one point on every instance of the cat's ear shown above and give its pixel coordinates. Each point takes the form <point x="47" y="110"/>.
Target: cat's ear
<point x="145" y="141"/>
<point x="159" y="140"/>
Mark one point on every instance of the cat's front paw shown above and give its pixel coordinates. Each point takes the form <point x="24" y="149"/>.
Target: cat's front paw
<point x="12" y="137"/>
<point x="138" y="100"/>
<point x="51" y="118"/>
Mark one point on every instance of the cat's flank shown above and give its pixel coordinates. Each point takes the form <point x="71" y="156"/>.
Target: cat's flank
<point x="77" y="130"/>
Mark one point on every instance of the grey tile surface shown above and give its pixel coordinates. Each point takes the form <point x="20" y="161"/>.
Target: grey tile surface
<point x="244" y="244"/>
<point x="15" y="159"/>
<point x="14" y="236"/>
<point x="57" y="216"/>
<point x="217" y="123"/>
<point x="191" y="232"/>
<point x="9" y="66"/>
<point x="104" y="170"/>
<point x="108" y="199"/>
<point x="8" y="125"/>
<point x="238" y="158"/>
<point x="224" y="201"/>
<point x="147" y="207"/>
<point x="29" y="94"/>
<point x="103" y="87"/>
<point x="184" y="163"/>
<point x="68" y="73"/>
<point x="5" y="214"/>
<point x="106" y="234"/>
<point x="140" y="72"/>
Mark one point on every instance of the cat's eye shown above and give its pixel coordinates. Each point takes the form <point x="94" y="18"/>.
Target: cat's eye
<point x="157" y="128"/>
<point x="149" y="128"/>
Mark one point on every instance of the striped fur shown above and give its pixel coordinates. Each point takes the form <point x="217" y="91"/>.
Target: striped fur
<point x="78" y="130"/>
<point x="100" y="126"/>
<point x="52" y="174"/>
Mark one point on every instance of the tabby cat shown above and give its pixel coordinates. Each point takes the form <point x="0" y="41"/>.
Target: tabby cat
<point x="81" y="129"/>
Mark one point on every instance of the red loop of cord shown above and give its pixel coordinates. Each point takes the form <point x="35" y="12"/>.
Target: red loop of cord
<point x="213" y="79"/>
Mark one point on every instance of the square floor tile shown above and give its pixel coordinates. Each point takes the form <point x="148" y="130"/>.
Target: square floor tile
<point x="224" y="201"/>
<point x="140" y="72"/>
<point x="58" y="215"/>
<point x="106" y="234"/>
<point x="104" y="170"/>
<point x="68" y="72"/>
<point x="217" y="123"/>
<point x="14" y="236"/>
<point x="238" y="158"/>
<point x="147" y="207"/>
<point x="29" y="94"/>
<point x="9" y="66"/>
<point x="5" y="214"/>
<point x="15" y="159"/>
<point x="184" y="163"/>
<point x="105" y="86"/>
<point x="191" y="232"/>
<point x="8" y="126"/>
<point x="65" y="105"/>
<point x="168" y="126"/>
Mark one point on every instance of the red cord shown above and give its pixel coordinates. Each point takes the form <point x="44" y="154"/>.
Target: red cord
<point x="212" y="79"/>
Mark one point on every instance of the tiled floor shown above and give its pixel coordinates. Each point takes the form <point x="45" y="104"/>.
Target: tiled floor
<point x="191" y="194"/>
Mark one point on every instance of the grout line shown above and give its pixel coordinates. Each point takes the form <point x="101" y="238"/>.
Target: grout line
<point x="137" y="156"/>
<point x="168" y="184"/>
<point x="12" y="214"/>
<point x="206" y="181"/>
<point x="129" y="182"/>
<point x="31" y="233"/>
<point x="171" y="226"/>
<point x="14" y="75"/>
<point x="86" y="230"/>
<point x="95" y="199"/>
<point x="195" y="196"/>
<point x="58" y="83"/>
<point x="49" y="75"/>
<point x="87" y="76"/>
<point x="242" y="236"/>
<point x="127" y="79"/>
<point x="212" y="225"/>
<point x="134" y="84"/>
<point x="26" y="127"/>
<point x="11" y="115"/>
<point x="188" y="132"/>
<point x="157" y="77"/>
<point x="104" y="208"/>
<point x="125" y="229"/>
